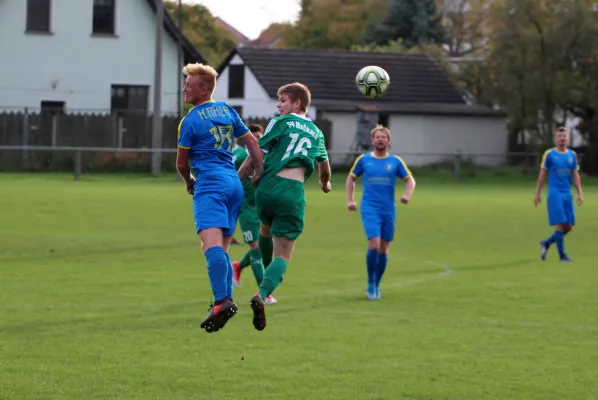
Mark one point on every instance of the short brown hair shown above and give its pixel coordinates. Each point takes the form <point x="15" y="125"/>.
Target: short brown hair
<point x="380" y="128"/>
<point x="562" y="129"/>
<point x="297" y="91"/>
<point x="255" y="128"/>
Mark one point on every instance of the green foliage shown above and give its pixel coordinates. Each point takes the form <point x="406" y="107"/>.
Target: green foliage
<point x="213" y="42"/>
<point x="413" y="21"/>
<point x="333" y="24"/>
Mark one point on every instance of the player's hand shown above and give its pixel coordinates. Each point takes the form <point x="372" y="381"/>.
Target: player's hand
<point x="326" y="188"/>
<point x="255" y="179"/>
<point x="537" y="200"/>
<point x="190" y="185"/>
<point x="579" y="200"/>
<point x="352" y="205"/>
<point x="404" y="200"/>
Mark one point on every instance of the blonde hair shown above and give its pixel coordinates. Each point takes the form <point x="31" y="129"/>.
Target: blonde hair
<point x="380" y="128"/>
<point x="206" y="73"/>
<point x="297" y="91"/>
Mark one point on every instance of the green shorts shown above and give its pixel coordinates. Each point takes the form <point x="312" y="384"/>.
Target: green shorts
<point x="250" y="223"/>
<point x="280" y="204"/>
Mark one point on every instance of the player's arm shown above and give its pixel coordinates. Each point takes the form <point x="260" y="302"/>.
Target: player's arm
<point x="324" y="170"/>
<point x="246" y="169"/>
<point x="325" y="173"/>
<point x="541" y="178"/>
<point x="354" y="173"/>
<point x="405" y="174"/>
<point x="184" y="144"/>
<point x="255" y="156"/>
<point x="577" y="182"/>
<point x="246" y="139"/>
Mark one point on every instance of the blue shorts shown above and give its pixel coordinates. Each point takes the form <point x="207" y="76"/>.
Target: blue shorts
<point x="217" y="204"/>
<point x="561" y="209"/>
<point x="380" y="225"/>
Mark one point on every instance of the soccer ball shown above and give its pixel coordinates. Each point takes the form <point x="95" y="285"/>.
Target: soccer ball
<point x="372" y="81"/>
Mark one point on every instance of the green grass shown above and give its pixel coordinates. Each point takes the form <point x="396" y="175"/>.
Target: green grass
<point x="103" y="286"/>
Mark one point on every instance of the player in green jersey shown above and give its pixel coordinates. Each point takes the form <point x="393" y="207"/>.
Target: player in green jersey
<point x="292" y="145"/>
<point x="249" y="221"/>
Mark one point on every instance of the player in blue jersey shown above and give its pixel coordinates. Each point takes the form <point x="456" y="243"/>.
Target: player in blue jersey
<point x="379" y="170"/>
<point x="206" y="136"/>
<point x="562" y="168"/>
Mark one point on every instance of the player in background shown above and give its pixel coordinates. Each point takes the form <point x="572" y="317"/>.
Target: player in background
<point x="249" y="221"/>
<point x="562" y="168"/>
<point x="292" y="144"/>
<point x="379" y="170"/>
<point x="205" y="140"/>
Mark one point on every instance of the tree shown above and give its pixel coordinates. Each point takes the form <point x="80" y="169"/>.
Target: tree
<point x="413" y="21"/>
<point x="465" y="25"/>
<point x="212" y="42"/>
<point x="333" y="24"/>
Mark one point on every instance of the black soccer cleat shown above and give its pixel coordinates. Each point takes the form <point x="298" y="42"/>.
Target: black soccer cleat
<point x="219" y="315"/>
<point x="259" y="312"/>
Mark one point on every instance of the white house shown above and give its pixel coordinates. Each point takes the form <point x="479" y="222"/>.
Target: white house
<point x="429" y="119"/>
<point x="88" y="55"/>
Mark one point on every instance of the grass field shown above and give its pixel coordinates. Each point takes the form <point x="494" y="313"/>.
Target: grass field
<point x="103" y="286"/>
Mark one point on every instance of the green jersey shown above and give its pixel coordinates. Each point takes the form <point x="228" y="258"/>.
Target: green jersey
<point x="292" y="141"/>
<point x="239" y="156"/>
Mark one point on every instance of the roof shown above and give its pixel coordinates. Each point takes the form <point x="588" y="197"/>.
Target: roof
<point x="238" y="36"/>
<point x="330" y="74"/>
<point x="190" y="52"/>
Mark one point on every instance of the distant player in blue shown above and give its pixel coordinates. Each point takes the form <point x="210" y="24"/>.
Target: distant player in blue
<point x="379" y="170"/>
<point x="206" y="136"/>
<point x="562" y="168"/>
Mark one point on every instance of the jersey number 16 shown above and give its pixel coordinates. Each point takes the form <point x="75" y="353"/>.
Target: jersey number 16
<point x="297" y="147"/>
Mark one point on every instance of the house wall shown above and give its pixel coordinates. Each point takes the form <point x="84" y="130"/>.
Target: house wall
<point x="427" y="139"/>
<point x="256" y="102"/>
<point x="73" y="66"/>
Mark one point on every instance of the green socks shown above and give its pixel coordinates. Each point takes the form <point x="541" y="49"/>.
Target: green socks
<point x="273" y="276"/>
<point x="266" y="249"/>
<point x="256" y="265"/>
<point x="245" y="261"/>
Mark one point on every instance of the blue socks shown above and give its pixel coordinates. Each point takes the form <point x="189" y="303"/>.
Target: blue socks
<point x="381" y="267"/>
<point x="557" y="237"/>
<point x="229" y="277"/>
<point x="371" y="261"/>
<point x="376" y="265"/>
<point x="218" y="272"/>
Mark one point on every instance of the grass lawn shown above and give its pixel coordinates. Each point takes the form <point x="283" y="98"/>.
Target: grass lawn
<point x="103" y="286"/>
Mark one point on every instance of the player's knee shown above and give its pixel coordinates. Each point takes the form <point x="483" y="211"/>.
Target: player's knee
<point x="374" y="244"/>
<point x="253" y="245"/>
<point x="264" y="230"/>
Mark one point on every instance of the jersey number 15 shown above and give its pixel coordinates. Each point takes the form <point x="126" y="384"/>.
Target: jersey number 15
<point x="221" y="135"/>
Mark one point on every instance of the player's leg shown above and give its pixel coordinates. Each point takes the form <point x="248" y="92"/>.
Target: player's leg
<point x="234" y="203"/>
<point x="250" y="227"/>
<point x="387" y="232"/>
<point x="372" y="224"/>
<point x="285" y="200"/>
<point x="556" y="218"/>
<point x="566" y="227"/>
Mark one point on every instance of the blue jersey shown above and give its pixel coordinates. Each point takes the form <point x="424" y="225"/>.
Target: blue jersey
<point x="560" y="167"/>
<point x="208" y="131"/>
<point x="379" y="179"/>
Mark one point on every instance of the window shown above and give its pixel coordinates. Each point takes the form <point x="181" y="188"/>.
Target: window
<point x="129" y="98"/>
<point x="239" y="110"/>
<point x="53" y="107"/>
<point x="236" y="81"/>
<point x="38" y="16"/>
<point x="383" y="119"/>
<point x="104" y="13"/>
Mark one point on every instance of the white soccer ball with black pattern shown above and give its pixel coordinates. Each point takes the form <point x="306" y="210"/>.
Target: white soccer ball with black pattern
<point x="372" y="81"/>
